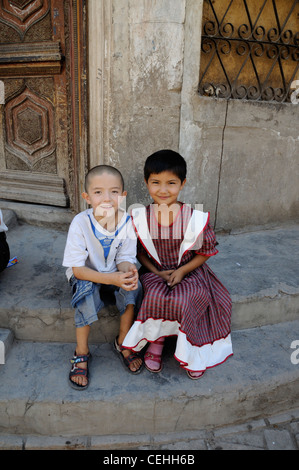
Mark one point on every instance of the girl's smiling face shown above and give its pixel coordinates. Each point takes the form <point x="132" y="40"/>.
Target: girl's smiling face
<point x="164" y="187"/>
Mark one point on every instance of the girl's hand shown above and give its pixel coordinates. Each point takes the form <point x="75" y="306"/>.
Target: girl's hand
<point x="175" y="278"/>
<point x="165" y="274"/>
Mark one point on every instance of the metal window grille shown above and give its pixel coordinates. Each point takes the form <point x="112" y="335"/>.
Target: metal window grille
<point x="250" y="49"/>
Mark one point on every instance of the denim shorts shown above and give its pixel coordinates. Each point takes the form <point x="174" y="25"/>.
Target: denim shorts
<point x="101" y="296"/>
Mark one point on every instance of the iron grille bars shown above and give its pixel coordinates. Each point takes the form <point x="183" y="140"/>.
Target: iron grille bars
<point x="249" y="60"/>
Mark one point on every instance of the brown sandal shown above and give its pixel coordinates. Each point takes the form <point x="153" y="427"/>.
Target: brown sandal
<point x="126" y="361"/>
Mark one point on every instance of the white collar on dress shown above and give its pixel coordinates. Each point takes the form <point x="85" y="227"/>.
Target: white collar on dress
<point x="195" y="227"/>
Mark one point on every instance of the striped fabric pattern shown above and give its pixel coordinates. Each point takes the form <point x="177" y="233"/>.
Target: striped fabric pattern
<point x="200" y="303"/>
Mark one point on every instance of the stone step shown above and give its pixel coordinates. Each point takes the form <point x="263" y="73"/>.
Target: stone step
<point x="278" y="432"/>
<point x="261" y="379"/>
<point x="260" y="270"/>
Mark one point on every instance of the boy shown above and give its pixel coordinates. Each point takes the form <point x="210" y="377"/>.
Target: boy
<point x="100" y="255"/>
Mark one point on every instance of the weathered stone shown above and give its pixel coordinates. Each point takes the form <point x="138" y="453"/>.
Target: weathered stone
<point x="277" y="439"/>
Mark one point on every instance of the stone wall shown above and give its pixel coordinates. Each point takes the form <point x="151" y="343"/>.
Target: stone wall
<point x="242" y="157"/>
<point x="249" y="161"/>
<point x="145" y="85"/>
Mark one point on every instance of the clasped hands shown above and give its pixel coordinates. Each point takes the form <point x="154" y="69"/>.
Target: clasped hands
<point x="172" y="276"/>
<point x="126" y="277"/>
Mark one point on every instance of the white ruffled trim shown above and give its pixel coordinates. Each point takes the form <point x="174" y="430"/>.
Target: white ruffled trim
<point x="191" y="357"/>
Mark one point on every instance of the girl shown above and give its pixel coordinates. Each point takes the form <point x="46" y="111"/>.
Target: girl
<point x="182" y="295"/>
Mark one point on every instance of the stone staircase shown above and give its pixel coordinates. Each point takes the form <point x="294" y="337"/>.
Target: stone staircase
<point x="37" y="336"/>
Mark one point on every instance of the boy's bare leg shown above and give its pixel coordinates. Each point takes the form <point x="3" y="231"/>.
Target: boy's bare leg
<point x="126" y="321"/>
<point x="82" y="348"/>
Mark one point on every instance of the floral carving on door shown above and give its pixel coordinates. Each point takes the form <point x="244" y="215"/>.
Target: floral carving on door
<point x="43" y="123"/>
<point x="22" y="14"/>
<point x="30" y="127"/>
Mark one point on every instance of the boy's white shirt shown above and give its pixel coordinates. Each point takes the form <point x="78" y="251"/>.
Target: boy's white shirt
<point x="84" y="249"/>
<point x="194" y="229"/>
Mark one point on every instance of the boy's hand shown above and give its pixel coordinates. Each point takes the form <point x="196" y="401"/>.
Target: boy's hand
<point x="126" y="266"/>
<point x="125" y="278"/>
<point x="133" y="279"/>
<point x="128" y="280"/>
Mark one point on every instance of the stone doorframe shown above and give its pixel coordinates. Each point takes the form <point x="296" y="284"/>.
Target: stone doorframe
<point x="100" y="42"/>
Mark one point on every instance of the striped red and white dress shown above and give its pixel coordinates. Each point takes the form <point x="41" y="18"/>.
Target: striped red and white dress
<point x="197" y="310"/>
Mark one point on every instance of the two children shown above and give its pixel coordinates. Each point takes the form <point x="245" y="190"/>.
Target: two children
<point x="181" y="294"/>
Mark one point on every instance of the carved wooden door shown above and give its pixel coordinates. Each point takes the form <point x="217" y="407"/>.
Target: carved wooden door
<point x="42" y="145"/>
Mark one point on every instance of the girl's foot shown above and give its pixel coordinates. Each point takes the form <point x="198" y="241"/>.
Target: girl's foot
<point x="194" y="375"/>
<point x="153" y="356"/>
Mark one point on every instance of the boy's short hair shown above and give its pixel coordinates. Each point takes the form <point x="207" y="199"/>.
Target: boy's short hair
<point x="165" y="160"/>
<point x="99" y="170"/>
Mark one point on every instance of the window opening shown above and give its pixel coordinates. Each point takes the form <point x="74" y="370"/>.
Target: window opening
<point x="249" y="49"/>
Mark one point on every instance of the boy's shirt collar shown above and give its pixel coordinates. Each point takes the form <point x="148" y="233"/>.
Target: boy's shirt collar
<point x="103" y="229"/>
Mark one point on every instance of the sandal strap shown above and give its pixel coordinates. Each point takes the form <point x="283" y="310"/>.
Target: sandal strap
<point x="81" y="358"/>
<point x="132" y="357"/>
<point x="119" y="347"/>
<point x="194" y="374"/>
<point x="159" y="341"/>
<point x="77" y="371"/>
<point x="126" y="361"/>
<point x="155" y="357"/>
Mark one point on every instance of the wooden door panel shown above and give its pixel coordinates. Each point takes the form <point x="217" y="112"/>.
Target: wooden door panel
<point x="37" y="158"/>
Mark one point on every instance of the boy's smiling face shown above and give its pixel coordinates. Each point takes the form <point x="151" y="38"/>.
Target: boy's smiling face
<point x="164" y="187"/>
<point x="105" y="193"/>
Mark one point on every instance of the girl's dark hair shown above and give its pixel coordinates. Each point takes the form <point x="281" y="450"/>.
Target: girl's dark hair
<point x="165" y="160"/>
